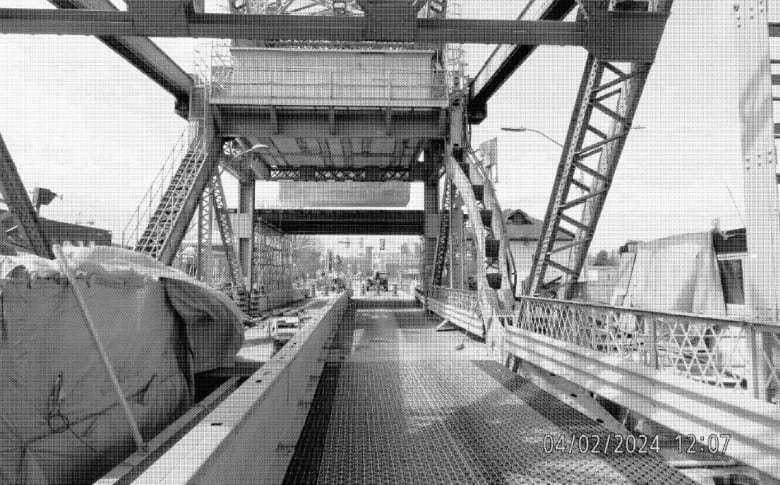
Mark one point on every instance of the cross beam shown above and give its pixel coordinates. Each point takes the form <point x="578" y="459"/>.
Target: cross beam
<point x="344" y="222"/>
<point x="275" y="27"/>
<point x="142" y="53"/>
<point x="505" y="59"/>
<point x="624" y="34"/>
<point x="346" y="174"/>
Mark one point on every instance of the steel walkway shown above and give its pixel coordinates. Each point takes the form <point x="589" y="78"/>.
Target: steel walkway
<point x="396" y="403"/>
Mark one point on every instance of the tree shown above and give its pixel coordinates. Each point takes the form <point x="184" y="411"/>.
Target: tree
<point x="602" y="258"/>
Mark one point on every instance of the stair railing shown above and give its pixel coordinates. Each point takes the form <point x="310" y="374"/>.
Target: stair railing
<point x="139" y="218"/>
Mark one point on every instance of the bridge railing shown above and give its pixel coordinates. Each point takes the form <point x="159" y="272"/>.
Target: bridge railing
<point x="734" y="355"/>
<point x="325" y="85"/>
<point x="462" y="299"/>
<point x="725" y="353"/>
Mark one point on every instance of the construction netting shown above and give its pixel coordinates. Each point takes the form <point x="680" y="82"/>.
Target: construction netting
<point x="60" y="421"/>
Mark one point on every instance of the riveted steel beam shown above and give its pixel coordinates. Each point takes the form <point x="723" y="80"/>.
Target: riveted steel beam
<point x="613" y="35"/>
<point x="581" y="212"/>
<point x="505" y="59"/>
<point x="345" y="174"/>
<point x="274" y="27"/>
<point x="142" y="53"/>
<point x="24" y="231"/>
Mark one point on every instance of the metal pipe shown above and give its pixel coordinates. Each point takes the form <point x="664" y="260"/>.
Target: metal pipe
<point x="60" y="258"/>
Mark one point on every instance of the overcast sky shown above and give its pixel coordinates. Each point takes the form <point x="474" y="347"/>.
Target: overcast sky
<point x="78" y="119"/>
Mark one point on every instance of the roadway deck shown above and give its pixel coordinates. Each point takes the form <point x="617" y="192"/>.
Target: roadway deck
<point x="396" y="403"/>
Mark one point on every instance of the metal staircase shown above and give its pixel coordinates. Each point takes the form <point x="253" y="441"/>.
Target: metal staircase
<point x="176" y="206"/>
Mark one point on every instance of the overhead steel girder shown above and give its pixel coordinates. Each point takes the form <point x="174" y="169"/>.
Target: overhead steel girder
<point x="505" y="59"/>
<point x="27" y="232"/>
<point x="610" y="35"/>
<point x="343" y="222"/>
<point x="292" y="27"/>
<point x="347" y="174"/>
<point x="142" y="53"/>
<point x="249" y="121"/>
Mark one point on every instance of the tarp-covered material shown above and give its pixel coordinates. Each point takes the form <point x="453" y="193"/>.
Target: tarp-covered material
<point x="59" y="417"/>
<point x="677" y="274"/>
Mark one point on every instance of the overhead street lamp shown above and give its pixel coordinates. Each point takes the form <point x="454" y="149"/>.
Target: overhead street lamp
<point x="248" y="150"/>
<point x="521" y="129"/>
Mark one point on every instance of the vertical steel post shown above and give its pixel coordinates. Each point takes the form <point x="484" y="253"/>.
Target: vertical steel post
<point x="653" y="342"/>
<point x="246" y="208"/>
<point x="755" y="378"/>
<point x="759" y="160"/>
<point x="450" y="202"/>
<point x="433" y="158"/>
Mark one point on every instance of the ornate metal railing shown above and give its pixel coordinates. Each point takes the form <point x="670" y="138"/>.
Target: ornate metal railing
<point x="734" y="355"/>
<point x="725" y="353"/>
<point x="461" y="299"/>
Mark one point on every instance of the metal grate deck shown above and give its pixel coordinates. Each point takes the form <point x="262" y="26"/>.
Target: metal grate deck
<point x="450" y="421"/>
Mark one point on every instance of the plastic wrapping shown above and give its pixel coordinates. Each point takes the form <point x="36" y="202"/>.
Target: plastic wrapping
<point x="60" y="421"/>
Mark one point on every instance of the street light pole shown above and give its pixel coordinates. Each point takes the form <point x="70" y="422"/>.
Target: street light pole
<point x="248" y="150"/>
<point x="522" y="129"/>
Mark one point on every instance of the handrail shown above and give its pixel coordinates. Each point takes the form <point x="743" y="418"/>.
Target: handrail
<point x="722" y="352"/>
<point x="334" y="83"/>
<point x="142" y="213"/>
<point x="712" y="320"/>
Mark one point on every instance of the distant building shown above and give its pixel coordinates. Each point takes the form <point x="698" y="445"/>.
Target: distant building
<point x="524" y="232"/>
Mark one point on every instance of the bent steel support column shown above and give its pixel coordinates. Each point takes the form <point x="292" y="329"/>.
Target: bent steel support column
<point x="25" y="231"/>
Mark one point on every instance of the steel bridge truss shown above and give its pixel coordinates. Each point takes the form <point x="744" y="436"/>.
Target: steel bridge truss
<point x="428" y="9"/>
<point x="342" y="174"/>
<point x="606" y="103"/>
<point x="19" y="226"/>
<point x="212" y="207"/>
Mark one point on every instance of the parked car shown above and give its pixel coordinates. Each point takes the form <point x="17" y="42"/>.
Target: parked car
<point x="379" y="281"/>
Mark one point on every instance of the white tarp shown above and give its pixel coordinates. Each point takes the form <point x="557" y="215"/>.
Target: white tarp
<point x="677" y="274"/>
<point x="59" y="417"/>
